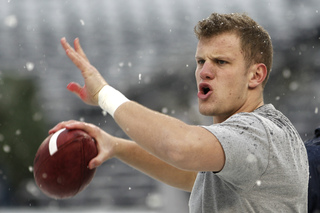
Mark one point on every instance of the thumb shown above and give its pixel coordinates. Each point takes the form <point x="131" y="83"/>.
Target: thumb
<point x="75" y="88"/>
<point x="81" y="92"/>
<point x="102" y="156"/>
<point x="95" y="162"/>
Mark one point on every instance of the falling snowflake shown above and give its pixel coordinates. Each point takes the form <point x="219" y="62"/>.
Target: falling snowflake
<point x="104" y="113"/>
<point x="18" y="132"/>
<point x="294" y="86"/>
<point x="258" y="182"/>
<point x="139" y="78"/>
<point x="29" y="66"/>
<point x="164" y="110"/>
<point x="11" y="21"/>
<point x="286" y="73"/>
<point x="6" y="148"/>
<point x="37" y="116"/>
<point x="82" y="22"/>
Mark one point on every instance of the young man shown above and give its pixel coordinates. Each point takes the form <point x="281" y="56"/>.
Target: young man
<point x="250" y="160"/>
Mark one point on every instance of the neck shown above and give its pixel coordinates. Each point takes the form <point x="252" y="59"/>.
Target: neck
<point x="250" y="108"/>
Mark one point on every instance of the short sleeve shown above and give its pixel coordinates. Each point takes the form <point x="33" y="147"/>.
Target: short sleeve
<point x="246" y="147"/>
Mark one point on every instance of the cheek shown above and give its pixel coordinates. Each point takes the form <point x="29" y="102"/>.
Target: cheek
<point x="197" y="76"/>
<point x="234" y="89"/>
<point x="238" y="91"/>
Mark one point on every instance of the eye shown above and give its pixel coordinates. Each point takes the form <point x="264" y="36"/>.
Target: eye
<point x="201" y="62"/>
<point x="221" y="62"/>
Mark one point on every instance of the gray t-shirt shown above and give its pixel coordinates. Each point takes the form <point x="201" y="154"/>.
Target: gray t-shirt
<point x="266" y="167"/>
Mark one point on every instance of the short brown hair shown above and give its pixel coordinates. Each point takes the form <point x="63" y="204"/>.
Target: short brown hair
<point x="255" y="40"/>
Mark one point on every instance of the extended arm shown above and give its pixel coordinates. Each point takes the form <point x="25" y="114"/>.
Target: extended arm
<point x="132" y="154"/>
<point x="184" y="146"/>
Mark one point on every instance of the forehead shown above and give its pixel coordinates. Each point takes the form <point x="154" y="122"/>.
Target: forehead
<point x="223" y="44"/>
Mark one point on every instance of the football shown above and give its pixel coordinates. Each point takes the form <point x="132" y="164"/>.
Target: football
<point x="60" y="165"/>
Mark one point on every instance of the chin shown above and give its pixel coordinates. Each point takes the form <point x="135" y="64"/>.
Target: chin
<point x="206" y="112"/>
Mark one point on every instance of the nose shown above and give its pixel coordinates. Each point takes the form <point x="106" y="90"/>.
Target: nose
<point x="206" y="72"/>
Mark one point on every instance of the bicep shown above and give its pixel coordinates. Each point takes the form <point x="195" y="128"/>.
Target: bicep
<point x="204" y="151"/>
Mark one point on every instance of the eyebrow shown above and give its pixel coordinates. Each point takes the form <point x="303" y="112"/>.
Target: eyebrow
<point x="220" y="57"/>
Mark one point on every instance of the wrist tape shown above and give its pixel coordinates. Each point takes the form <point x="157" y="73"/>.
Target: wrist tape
<point x="110" y="99"/>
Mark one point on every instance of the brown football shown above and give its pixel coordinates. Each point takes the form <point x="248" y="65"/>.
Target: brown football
<point x="60" y="166"/>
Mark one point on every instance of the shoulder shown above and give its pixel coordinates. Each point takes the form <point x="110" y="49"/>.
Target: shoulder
<point x="240" y="122"/>
<point x="246" y="146"/>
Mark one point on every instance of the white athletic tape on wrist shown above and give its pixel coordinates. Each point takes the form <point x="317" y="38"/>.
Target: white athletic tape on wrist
<point x="110" y="99"/>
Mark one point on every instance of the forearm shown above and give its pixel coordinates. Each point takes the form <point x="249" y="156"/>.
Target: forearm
<point x="133" y="155"/>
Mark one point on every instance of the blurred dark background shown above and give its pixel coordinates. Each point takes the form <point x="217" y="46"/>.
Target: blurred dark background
<point x="146" y="50"/>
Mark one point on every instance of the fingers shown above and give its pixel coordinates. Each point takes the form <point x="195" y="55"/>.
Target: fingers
<point x="66" y="46"/>
<point x="59" y="126"/>
<point x="91" y="129"/>
<point x="82" y="63"/>
<point x="79" y="49"/>
<point x="77" y="55"/>
<point x="72" y="124"/>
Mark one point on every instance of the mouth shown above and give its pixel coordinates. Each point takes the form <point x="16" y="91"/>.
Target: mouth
<point x="205" y="90"/>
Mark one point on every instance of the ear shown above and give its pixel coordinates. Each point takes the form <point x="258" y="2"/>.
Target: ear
<point x="258" y="72"/>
